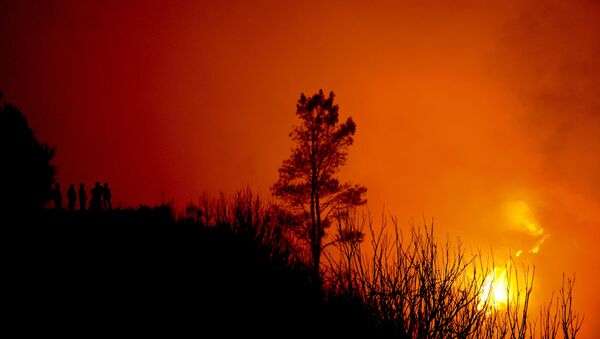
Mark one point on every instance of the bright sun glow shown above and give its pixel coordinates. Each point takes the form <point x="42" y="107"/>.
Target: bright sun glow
<point x="497" y="291"/>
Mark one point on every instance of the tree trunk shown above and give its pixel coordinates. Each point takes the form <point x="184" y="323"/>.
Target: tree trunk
<point x="317" y="244"/>
<point x="314" y="243"/>
<point x="315" y="220"/>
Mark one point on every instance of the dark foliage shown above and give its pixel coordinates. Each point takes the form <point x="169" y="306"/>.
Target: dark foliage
<point x="26" y="172"/>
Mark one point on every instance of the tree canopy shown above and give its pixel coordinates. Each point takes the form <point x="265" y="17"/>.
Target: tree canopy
<point x="27" y="174"/>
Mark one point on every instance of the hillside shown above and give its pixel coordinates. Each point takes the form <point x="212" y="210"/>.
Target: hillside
<point x="142" y="272"/>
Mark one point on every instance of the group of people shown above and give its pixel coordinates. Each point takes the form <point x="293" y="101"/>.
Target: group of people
<point x="100" y="197"/>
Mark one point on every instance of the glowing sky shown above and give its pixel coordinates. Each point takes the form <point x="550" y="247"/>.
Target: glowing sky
<point x="462" y="108"/>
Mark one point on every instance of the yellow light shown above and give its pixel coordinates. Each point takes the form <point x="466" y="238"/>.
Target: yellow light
<point x="494" y="291"/>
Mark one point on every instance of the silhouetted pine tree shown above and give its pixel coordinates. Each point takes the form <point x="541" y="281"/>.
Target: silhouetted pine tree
<point x="307" y="180"/>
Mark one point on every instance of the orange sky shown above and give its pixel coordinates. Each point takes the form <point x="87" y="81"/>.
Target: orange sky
<point x="461" y="108"/>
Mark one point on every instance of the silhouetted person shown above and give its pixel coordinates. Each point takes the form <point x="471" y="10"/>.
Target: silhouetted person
<point x="96" y="201"/>
<point x="57" y="197"/>
<point x="106" y="196"/>
<point x="72" y="197"/>
<point x="82" y="197"/>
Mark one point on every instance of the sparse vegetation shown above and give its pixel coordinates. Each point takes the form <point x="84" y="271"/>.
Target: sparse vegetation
<point x="417" y="287"/>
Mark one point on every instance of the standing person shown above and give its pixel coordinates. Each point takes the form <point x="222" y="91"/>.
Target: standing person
<point x="72" y="197"/>
<point x="57" y="197"/>
<point x="96" y="201"/>
<point x="106" y="197"/>
<point x="82" y="197"/>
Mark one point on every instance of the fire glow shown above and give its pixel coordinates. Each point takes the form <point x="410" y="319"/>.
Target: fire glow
<point x="499" y="286"/>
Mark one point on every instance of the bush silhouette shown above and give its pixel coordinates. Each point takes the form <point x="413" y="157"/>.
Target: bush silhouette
<point x="26" y="172"/>
<point x="417" y="287"/>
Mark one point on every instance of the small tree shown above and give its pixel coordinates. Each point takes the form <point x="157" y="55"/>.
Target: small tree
<point x="307" y="182"/>
<point x="26" y="172"/>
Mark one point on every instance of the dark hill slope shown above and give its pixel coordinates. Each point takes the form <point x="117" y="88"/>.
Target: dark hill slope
<point x="141" y="272"/>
